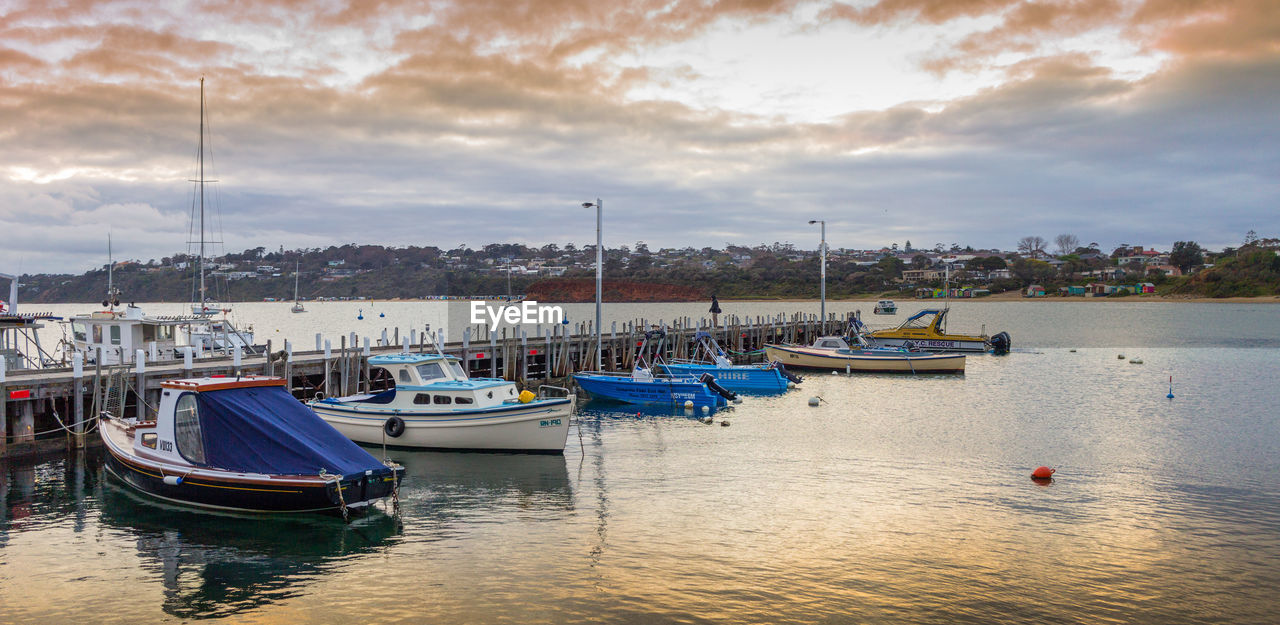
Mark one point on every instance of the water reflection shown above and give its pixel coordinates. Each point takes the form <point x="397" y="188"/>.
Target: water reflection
<point x="216" y="565"/>
<point x="450" y="485"/>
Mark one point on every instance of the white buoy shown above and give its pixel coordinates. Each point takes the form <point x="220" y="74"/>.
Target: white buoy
<point x="791" y="384"/>
<point x="834" y="372"/>
<point x="1135" y="360"/>
<point x="737" y="400"/>
<point x="688" y="403"/>
<point x="706" y="420"/>
<point x="813" y="401"/>
<point x="705" y="410"/>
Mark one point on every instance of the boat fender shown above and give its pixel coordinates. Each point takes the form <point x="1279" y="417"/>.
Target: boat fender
<point x="1043" y="473"/>
<point x="715" y="387"/>
<point x="319" y="396"/>
<point x="526" y="396"/>
<point x="791" y="377"/>
<point x="394" y="427"/>
<point x="173" y="480"/>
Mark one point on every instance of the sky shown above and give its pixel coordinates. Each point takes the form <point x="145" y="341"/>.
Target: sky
<point x="698" y="123"/>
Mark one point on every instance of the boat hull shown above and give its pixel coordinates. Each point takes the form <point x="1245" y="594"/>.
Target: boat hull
<point x="653" y="392"/>
<point x="540" y="426"/>
<point x="239" y="492"/>
<point x="742" y="379"/>
<point x="968" y="344"/>
<point x="867" y="362"/>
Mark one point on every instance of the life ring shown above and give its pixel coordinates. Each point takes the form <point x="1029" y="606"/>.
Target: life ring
<point x="394" y="427"/>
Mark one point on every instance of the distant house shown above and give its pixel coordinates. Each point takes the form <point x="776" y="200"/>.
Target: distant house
<point x="1034" y="290"/>
<point x="1169" y="270"/>
<point x="1077" y="290"/>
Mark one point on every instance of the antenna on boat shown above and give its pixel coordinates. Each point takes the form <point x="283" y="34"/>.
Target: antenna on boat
<point x="113" y="294"/>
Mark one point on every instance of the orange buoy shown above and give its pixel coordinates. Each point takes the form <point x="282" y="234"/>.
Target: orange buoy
<point x="1043" y="473"/>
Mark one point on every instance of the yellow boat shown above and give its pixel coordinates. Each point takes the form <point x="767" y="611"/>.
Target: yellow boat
<point x="926" y="330"/>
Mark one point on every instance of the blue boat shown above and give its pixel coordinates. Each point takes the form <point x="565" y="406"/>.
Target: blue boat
<point x="710" y="359"/>
<point x="642" y="386"/>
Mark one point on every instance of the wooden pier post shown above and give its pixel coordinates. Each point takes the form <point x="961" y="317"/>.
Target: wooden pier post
<point x="77" y="400"/>
<point x="343" y="366"/>
<point x="186" y="361"/>
<point x="4" y="410"/>
<point x="328" y="368"/>
<point x="368" y="375"/>
<point x="546" y="358"/>
<point x="493" y="356"/>
<point x="26" y="423"/>
<point x="139" y="386"/>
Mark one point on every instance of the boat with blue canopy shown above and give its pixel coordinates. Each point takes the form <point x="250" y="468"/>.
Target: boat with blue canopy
<point x="435" y="405"/>
<point x="709" y="357"/>
<point x="647" y="384"/>
<point x="246" y="445"/>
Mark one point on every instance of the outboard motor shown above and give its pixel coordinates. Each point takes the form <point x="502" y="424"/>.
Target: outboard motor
<point x="1001" y="343"/>
<point x="715" y="387"/>
<point x="777" y="364"/>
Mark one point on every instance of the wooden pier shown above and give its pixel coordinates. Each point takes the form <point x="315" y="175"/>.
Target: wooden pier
<point x="47" y="408"/>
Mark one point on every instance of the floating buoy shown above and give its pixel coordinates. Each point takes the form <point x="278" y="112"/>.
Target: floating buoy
<point x="791" y="384"/>
<point x="173" y="480"/>
<point x="1073" y="350"/>
<point x="706" y="420"/>
<point x="360" y="314"/>
<point x="637" y="414"/>
<point x="834" y="372"/>
<point x="737" y="400"/>
<point x="688" y="403"/>
<point x="382" y="314"/>
<point x="1043" y="473"/>
<point x="1119" y="356"/>
<point x="724" y="424"/>
<point x="813" y="401"/>
<point x="1135" y="360"/>
<point x="705" y="410"/>
<point x="1170" y="395"/>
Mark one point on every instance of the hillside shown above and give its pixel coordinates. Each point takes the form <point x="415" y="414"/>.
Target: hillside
<point x="1252" y="273"/>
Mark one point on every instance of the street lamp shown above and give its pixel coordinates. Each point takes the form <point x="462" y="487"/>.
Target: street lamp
<point x="824" y="271"/>
<point x="599" y="273"/>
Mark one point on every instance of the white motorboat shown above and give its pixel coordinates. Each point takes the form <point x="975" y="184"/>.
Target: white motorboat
<point x="434" y="405"/>
<point x="885" y="307"/>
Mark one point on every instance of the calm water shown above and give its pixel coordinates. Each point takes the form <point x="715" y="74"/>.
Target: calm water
<point x="899" y="499"/>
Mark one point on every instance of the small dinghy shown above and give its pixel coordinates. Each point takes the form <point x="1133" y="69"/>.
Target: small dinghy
<point x="642" y="386"/>
<point x="709" y="357"/>
<point x="246" y="445"/>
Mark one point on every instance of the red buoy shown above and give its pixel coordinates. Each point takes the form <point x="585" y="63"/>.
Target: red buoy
<point x="1043" y="473"/>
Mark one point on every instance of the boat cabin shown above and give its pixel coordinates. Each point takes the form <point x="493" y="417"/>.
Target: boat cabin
<point x="830" y="342"/>
<point x="438" y="381"/>
<point x="118" y="334"/>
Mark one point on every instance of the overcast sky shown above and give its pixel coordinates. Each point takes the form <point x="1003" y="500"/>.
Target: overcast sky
<point x="697" y="122"/>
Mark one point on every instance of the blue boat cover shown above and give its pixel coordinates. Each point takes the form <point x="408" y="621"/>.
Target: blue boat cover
<point x="264" y="429"/>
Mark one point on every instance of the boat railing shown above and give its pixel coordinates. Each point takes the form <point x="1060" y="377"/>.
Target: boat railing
<point x="560" y="390"/>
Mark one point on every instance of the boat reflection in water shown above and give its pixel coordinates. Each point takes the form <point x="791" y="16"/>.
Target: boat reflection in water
<point x="443" y="485"/>
<point x="215" y="565"/>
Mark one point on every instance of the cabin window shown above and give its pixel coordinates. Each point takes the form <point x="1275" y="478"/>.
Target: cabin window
<point x="81" y="334"/>
<point x="149" y="440"/>
<point x="457" y="370"/>
<point x="186" y="429"/>
<point x="444" y="399"/>
<point x="404" y="376"/>
<point x="97" y="334"/>
<point x="463" y="400"/>
<point x="115" y="335"/>
<point x="830" y="344"/>
<point x="422" y="398"/>
<point x="430" y="371"/>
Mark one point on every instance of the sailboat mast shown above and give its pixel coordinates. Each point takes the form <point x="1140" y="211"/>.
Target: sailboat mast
<point x="111" y="265"/>
<point x="200" y="160"/>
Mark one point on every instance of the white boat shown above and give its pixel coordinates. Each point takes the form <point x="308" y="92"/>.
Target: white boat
<point x="832" y="352"/>
<point x="434" y="405"/>
<point x="885" y="307"/>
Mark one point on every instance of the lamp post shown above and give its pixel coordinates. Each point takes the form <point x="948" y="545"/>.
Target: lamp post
<point x="823" y="291"/>
<point x="599" y="273"/>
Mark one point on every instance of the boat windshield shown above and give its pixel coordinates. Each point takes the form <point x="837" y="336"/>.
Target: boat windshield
<point x="458" y="372"/>
<point x="430" y="371"/>
<point x="920" y="320"/>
